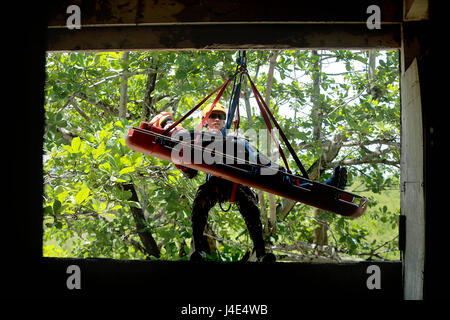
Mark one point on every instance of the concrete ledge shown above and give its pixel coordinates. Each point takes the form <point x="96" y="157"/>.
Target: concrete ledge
<point x="187" y="282"/>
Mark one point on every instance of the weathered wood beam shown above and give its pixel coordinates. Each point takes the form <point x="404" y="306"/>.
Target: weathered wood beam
<point x="221" y="37"/>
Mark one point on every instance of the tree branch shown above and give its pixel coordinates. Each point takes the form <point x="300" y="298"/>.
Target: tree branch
<point x="371" y="158"/>
<point x="271" y="227"/>
<point x="124" y="87"/>
<point x="147" y="107"/>
<point x="108" y="109"/>
<point x="66" y="134"/>
<point x="391" y="141"/>
<point x="128" y="74"/>
<point x="74" y="104"/>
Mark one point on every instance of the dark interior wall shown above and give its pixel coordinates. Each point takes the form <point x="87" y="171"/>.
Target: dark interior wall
<point x="136" y="12"/>
<point x="25" y="175"/>
<point x="433" y="71"/>
<point x="22" y="101"/>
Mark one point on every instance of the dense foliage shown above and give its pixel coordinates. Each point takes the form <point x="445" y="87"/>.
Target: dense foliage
<point x="102" y="199"/>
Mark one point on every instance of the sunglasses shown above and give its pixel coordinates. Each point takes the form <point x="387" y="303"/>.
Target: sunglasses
<point x="219" y="116"/>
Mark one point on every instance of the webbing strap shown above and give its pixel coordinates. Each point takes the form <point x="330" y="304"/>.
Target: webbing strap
<point x="288" y="145"/>
<point x="173" y="125"/>
<point x="233" y="107"/>
<point x="237" y="120"/>
<point x="219" y="95"/>
<point x="233" y="192"/>
<point x="234" y="102"/>
<point x="264" y="113"/>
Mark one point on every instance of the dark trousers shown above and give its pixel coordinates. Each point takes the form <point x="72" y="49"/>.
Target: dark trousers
<point x="219" y="190"/>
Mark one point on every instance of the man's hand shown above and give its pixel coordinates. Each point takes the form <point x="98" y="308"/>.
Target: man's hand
<point x="188" y="172"/>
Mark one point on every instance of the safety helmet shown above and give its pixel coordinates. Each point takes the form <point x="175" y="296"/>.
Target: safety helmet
<point x="161" y="119"/>
<point x="218" y="107"/>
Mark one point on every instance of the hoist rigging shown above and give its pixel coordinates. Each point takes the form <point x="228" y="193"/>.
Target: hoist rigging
<point x="171" y="142"/>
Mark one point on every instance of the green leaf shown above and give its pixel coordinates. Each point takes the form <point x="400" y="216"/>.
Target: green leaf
<point x="58" y="190"/>
<point x="115" y="179"/>
<point x="56" y="206"/>
<point x="105" y="166"/>
<point x="126" y="170"/>
<point x="102" y="134"/>
<point x="48" y="210"/>
<point x="76" y="144"/>
<point x="135" y="204"/>
<point x="138" y="159"/>
<point x="68" y="148"/>
<point x="62" y="196"/>
<point x="82" y="195"/>
<point x="125" y="195"/>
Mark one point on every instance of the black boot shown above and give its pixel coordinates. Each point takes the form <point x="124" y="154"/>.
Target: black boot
<point x="266" y="257"/>
<point x="342" y="182"/>
<point x="339" y="178"/>
<point x="198" y="256"/>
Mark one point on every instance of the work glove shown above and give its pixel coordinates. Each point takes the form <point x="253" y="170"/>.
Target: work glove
<point x="188" y="172"/>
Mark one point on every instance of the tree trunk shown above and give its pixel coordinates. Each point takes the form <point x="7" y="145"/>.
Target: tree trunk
<point x="271" y="197"/>
<point x="320" y="236"/>
<point x="212" y="245"/>
<point x="148" y="242"/>
<point x="124" y="86"/>
<point x="246" y="96"/>
<point x="316" y="112"/>
<point x="320" y="231"/>
<point x="375" y="91"/>
<point x="148" y="110"/>
<point x="330" y="150"/>
<point x="371" y="73"/>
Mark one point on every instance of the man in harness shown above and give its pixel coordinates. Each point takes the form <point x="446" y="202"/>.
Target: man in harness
<point x="217" y="190"/>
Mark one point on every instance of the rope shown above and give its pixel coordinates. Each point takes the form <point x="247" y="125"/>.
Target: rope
<point x="233" y="108"/>
<point x="173" y="125"/>
<point x="229" y="207"/>
<point x="265" y="112"/>
<point x="219" y="95"/>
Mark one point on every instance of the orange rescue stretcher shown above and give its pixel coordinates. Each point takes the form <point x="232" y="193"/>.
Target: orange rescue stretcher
<point x="258" y="173"/>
